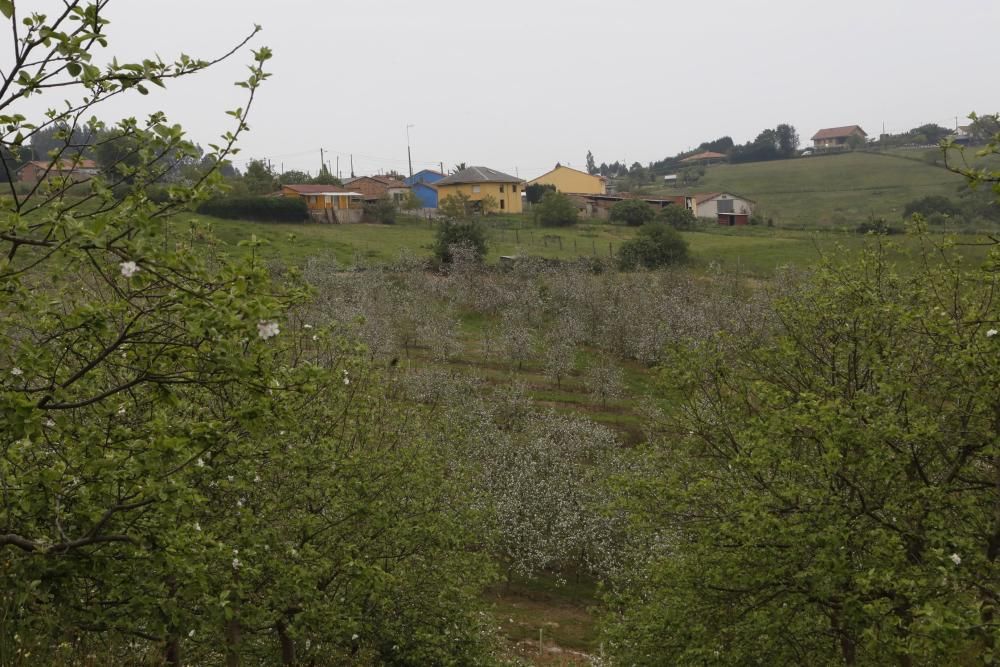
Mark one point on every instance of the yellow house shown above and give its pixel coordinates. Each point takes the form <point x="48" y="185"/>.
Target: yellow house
<point x="573" y="181"/>
<point x="478" y="183"/>
<point x="328" y="203"/>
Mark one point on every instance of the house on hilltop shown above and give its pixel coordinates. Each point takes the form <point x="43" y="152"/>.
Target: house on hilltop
<point x="328" y="203"/>
<point x="478" y="183"/>
<point x="838" y="137"/>
<point x="573" y="181"/>
<point x="707" y="157"/>
<point x="422" y="185"/>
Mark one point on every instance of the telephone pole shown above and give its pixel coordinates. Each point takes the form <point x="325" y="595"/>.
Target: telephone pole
<point x="409" y="156"/>
<point x="322" y="161"/>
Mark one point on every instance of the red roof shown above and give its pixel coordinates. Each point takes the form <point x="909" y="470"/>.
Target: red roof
<point x="66" y="164"/>
<point x="838" y="132"/>
<point x="311" y="189"/>
<point x="707" y="155"/>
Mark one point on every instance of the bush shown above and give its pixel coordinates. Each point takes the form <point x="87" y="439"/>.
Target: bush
<point x="678" y="217"/>
<point x="464" y="234"/>
<point x="656" y="245"/>
<point x="536" y="192"/>
<point x="258" y="209"/>
<point x="632" y="212"/>
<point x="382" y="211"/>
<point x="556" y="210"/>
<point x="876" y="226"/>
<point x="927" y="206"/>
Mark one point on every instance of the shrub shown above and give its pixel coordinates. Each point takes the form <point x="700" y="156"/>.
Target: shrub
<point x="656" y="245"/>
<point x="678" y="217"/>
<point x="556" y="210"/>
<point x="258" y="209"/>
<point x="632" y="212"/>
<point x="382" y="211"/>
<point x="459" y="234"/>
<point x="876" y="226"/>
<point x="927" y="206"/>
<point x="536" y="192"/>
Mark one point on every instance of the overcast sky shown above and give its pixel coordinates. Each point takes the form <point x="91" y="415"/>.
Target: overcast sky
<point x="520" y="85"/>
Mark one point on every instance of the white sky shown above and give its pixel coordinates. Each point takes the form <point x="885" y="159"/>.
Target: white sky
<point x="520" y="85"/>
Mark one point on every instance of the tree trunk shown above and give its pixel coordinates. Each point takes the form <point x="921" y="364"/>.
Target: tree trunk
<point x="233" y="638"/>
<point x="172" y="654"/>
<point x="287" y="645"/>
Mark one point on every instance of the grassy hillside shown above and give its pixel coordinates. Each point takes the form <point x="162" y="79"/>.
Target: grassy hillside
<point x="833" y="191"/>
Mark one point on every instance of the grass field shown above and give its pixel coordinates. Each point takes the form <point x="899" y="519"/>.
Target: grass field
<point x="754" y="250"/>
<point x="831" y="191"/>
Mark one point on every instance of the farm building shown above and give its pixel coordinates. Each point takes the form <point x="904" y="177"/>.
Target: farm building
<point x="328" y="203"/>
<point x="422" y="185"/>
<point x="378" y="187"/>
<point x="75" y="169"/>
<point x="838" y="137"/>
<point x="573" y="181"/>
<point x="599" y="206"/>
<point x="477" y="183"/>
<point x="725" y="207"/>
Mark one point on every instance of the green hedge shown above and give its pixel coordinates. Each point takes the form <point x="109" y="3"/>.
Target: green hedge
<point x="258" y="209"/>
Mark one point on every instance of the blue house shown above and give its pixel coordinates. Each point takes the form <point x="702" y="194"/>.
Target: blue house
<point x="421" y="185"/>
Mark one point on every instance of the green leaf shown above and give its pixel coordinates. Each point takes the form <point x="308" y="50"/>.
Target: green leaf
<point x="74" y="69"/>
<point x="7" y="8"/>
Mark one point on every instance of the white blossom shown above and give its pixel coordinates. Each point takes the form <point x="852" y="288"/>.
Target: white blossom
<point x="197" y="526"/>
<point x="239" y="503"/>
<point x="354" y="637"/>
<point x="49" y="423"/>
<point x="201" y="462"/>
<point x="129" y="268"/>
<point x="956" y="559"/>
<point x="191" y="634"/>
<point x="236" y="563"/>
<point x="307" y="326"/>
<point x="991" y="333"/>
<point x="16" y="372"/>
<point x="266" y="329"/>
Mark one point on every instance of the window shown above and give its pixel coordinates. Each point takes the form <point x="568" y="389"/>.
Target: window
<point x="502" y="202"/>
<point x="515" y="189"/>
<point x="501" y="188"/>
<point x="476" y="189"/>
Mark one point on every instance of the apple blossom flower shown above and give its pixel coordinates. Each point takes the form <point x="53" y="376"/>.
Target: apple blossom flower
<point x="991" y="333"/>
<point x="956" y="559"/>
<point x="129" y="268"/>
<point x="16" y="372"/>
<point x="267" y="329"/>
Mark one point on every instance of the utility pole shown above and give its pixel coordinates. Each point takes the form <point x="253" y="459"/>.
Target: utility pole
<point x="442" y="167"/>
<point x="352" y="165"/>
<point x="338" y="166"/>
<point x="322" y="161"/>
<point x="409" y="156"/>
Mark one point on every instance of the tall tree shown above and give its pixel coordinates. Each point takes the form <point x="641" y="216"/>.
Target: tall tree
<point x="591" y="164"/>
<point x="788" y="140"/>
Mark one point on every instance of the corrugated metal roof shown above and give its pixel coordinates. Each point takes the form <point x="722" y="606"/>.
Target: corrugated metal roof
<point x="478" y="175"/>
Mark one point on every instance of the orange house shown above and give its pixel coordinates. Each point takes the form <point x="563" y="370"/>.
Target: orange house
<point x="328" y="203"/>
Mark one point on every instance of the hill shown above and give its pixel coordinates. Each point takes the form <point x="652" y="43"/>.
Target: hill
<point x="831" y="191"/>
